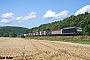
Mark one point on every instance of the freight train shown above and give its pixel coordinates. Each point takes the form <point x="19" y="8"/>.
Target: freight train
<point x="63" y="31"/>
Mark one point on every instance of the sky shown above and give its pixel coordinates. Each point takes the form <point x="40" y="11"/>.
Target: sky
<point x="33" y="13"/>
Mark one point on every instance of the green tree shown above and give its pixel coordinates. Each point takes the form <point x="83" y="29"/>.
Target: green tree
<point x="14" y="34"/>
<point x="6" y="35"/>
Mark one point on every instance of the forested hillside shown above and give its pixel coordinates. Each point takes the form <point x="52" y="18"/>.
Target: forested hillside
<point x="82" y="20"/>
<point x="9" y="30"/>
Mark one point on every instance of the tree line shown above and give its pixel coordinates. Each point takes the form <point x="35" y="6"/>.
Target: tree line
<point x="11" y="31"/>
<point x="8" y="35"/>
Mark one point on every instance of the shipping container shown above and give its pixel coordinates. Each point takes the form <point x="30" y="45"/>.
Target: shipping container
<point x="48" y="32"/>
<point x="25" y="34"/>
<point x="37" y="33"/>
<point x="42" y="32"/>
<point x="33" y="34"/>
<point x="56" y="32"/>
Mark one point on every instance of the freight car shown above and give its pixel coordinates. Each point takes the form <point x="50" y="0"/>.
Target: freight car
<point x="56" y="32"/>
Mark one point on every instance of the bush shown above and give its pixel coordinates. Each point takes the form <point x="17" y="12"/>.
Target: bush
<point x="14" y="35"/>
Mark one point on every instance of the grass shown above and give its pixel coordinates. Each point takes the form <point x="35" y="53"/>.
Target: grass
<point x="73" y="39"/>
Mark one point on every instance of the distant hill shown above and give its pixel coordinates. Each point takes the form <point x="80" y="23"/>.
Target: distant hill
<point x="12" y="29"/>
<point x="82" y="20"/>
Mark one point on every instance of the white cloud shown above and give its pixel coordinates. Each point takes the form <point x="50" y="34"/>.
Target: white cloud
<point x="18" y="18"/>
<point x="8" y="15"/>
<point x="83" y="10"/>
<point x="30" y="16"/>
<point x="6" y="21"/>
<point x="52" y="15"/>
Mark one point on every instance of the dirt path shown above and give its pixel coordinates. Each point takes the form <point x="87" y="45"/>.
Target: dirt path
<point x="21" y="49"/>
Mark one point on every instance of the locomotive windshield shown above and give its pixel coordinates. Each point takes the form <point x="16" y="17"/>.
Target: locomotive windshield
<point x="79" y="28"/>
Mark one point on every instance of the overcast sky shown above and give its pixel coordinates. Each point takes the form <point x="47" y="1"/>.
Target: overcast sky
<point x="32" y="13"/>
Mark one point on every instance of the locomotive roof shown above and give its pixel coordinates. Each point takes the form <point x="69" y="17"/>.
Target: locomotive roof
<point x="72" y="27"/>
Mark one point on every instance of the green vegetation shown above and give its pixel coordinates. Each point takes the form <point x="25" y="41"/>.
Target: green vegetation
<point x="6" y="35"/>
<point x="22" y="36"/>
<point x="73" y="39"/>
<point x="14" y="34"/>
<point x="82" y="20"/>
<point x="11" y="31"/>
